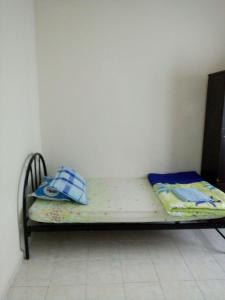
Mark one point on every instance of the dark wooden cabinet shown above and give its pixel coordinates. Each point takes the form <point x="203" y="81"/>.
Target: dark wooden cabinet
<point x="213" y="155"/>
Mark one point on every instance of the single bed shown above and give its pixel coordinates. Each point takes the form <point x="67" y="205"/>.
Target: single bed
<point x="114" y="203"/>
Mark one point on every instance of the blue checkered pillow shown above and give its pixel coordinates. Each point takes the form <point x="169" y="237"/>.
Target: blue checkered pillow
<point x="71" y="184"/>
<point x="44" y="191"/>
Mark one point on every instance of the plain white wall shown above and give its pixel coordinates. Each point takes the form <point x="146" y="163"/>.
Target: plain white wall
<point x="123" y="82"/>
<point x="19" y="121"/>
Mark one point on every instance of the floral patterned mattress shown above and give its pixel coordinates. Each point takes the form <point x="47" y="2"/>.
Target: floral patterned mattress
<point x="110" y="200"/>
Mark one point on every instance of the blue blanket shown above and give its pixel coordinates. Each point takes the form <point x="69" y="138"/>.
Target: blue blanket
<point x="173" y="178"/>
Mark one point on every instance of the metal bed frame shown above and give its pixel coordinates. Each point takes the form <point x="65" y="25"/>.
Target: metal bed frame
<point x="36" y="169"/>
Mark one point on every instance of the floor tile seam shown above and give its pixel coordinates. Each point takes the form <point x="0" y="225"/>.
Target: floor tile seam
<point x="217" y="260"/>
<point x="203" y="280"/>
<point x="185" y="261"/>
<point x="214" y="259"/>
<point x="31" y="285"/>
<point x="186" y="264"/>
<point x="196" y="281"/>
<point x="162" y="289"/>
<point x="201" y="246"/>
<point x="85" y="292"/>
<point x="124" y="291"/>
<point x="46" y="293"/>
<point x="208" y="239"/>
<point x="158" y="278"/>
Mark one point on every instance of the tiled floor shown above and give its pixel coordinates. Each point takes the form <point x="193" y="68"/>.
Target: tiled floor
<point x="157" y="265"/>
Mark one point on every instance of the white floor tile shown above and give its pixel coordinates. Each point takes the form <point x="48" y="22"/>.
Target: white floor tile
<point x="192" y="243"/>
<point x="134" y="250"/>
<point x="43" y="248"/>
<point x="27" y="293"/>
<point x="213" y="289"/>
<point x="193" y="238"/>
<point x="165" y="252"/>
<point x="35" y="272"/>
<point x="102" y="271"/>
<point x="104" y="236"/>
<point x="69" y="272"/>
<point x="193" y="250"/>
<point x="66" y="293"/>
<point x="101" y="249"/>
<point x="123" y="265"/>
<point x="76" y="250"/>
<point x="159" y="235"/>
<point x="134" y="235"/>
<point x="181" y="290"/>
<point x="105" y="292"/>
<point x="75" y="236"/>
<point x="214" y="241"/>
<point x="220" y="258"/>
<point x="143" y="291"/>
<point x="138" y="271"/>
<point x="205" y="268"/>
<point x="173" y="272"/>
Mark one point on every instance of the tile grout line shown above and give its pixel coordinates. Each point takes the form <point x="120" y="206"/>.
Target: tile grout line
<point x="188" y="268"/>
<point x="87" y="266"/>
<point x="85" y="292"/>
<point x="211" y="255"/>
<point x="212" y="251"/>
<point x="157" y="275"/>
<point x="46" y="293"/>
<point x="200" y="290"/>
<point x="123" y="281"/>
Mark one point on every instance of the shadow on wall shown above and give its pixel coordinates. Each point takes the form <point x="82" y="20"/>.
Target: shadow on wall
<point x="188" y="94"/>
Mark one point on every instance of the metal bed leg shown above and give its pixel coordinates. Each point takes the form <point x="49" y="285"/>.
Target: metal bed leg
<point x="26" y="246"/>
<point x="223" y="236"/>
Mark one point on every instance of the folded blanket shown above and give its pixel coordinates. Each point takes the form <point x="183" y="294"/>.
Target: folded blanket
<point x="187" y="194"/>
<point x="174" y="206"/>
<point x="180" y="177"/>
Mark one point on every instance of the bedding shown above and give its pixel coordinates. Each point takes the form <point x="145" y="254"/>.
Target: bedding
<point x="44" y="191"/>
<point x="172" y="178"/>
<point x="110" y="200"/>
<point x="188" y="194"/>
<point x="70" y="184"/>
<point x="211" y="203"/>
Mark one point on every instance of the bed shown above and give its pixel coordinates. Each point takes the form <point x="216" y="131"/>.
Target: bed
<point x="114" y="204"/>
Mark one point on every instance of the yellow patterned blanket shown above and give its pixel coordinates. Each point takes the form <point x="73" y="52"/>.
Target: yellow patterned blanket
<point x="176" y="207"/>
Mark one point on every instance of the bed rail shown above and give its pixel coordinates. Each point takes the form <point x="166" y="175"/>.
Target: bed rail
<point x="35" y="170"/>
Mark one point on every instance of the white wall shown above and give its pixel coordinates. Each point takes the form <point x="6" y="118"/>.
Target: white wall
<point x="123" y="82"/>
<point x="19" y="121"/>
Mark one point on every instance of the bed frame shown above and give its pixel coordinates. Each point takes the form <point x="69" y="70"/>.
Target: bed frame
<point x="36" y="169"/>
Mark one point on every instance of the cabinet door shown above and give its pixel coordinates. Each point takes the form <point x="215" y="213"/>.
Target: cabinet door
<point x="221" y="173"/>
<point x="221" y="167"/>
<point x="213" y="125"/>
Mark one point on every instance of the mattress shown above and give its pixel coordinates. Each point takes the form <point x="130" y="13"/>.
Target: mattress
<point x="110" y="200"/>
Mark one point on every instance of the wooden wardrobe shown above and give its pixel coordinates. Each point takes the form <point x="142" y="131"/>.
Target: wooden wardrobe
<point x="213" y="155"/>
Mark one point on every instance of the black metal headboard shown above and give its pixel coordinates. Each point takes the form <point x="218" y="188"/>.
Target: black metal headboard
<point x="35" y="170"/>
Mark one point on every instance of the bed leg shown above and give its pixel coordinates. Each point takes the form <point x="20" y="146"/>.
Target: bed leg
<point x="26" y="246"/>
<point x="223" y="236"/>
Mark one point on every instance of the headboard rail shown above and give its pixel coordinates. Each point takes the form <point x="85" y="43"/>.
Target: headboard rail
<point x="35" y="170"/>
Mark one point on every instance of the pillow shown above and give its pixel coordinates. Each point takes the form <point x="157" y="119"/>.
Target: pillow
<point x="71" y="184"/>
<point x="45" y="191"/>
